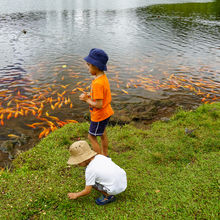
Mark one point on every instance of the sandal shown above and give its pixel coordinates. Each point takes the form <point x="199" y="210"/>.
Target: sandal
<point x="105" y="200"/>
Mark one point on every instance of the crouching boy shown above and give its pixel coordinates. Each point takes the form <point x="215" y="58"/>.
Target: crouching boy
<point x="101" y="173"/>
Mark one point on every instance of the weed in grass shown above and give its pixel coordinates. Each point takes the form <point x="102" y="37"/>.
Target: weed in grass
<point x="214" y="115"/>
<point x="66" y="141"/>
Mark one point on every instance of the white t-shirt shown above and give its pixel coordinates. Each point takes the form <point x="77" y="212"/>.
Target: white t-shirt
<point x="104" y="171"/>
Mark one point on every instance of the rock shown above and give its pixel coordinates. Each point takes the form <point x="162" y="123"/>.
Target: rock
<point x="12" y="155"/>
<point x="7" y="146"/>
<point x="120" y="118"/>
<point x="24" y="139"/>
<point x="11" y="146"/>
<point x="165" y="119"/>
<point x="86" y="116"/>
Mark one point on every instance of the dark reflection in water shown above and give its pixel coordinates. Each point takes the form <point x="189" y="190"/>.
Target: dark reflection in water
<point x="161" y="57"/>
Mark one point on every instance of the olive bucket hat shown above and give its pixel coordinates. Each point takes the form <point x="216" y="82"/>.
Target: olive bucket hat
<point x="98" y="58"/>
<point x="80" y="151"/>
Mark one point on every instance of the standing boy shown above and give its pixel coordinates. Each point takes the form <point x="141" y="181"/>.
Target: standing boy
<point x="101" y="173"/>
<point x="99" y="100"/>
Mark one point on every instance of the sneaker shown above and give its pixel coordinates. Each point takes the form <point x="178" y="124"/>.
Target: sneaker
<point x="105" y="200"/>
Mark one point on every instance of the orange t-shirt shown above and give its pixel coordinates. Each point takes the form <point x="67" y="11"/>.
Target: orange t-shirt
<point x="100" y="89"/>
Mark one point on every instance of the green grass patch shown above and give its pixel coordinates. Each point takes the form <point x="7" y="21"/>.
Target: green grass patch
<point x="171" y="174"/>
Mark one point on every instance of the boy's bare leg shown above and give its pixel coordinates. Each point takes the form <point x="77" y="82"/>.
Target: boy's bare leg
<point x="104" y="141"/>
<point x="94" y="143"/>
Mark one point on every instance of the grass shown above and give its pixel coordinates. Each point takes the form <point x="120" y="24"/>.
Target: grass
<point x="171" y="174"/>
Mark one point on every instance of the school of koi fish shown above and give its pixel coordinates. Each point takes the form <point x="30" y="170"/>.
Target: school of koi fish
<point x="41" y="102"/>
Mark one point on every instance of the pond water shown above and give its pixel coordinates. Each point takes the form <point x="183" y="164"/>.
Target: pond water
<point x="162" y="56"/>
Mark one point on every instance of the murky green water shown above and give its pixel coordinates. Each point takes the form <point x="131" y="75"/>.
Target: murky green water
<point x="157" y="52"/>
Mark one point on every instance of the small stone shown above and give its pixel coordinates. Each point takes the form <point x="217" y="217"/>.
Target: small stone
<point x="165" y="119"/>
<point x="7" y="146"/>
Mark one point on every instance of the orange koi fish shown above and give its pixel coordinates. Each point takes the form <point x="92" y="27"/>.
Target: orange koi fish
<point x="9" y="115"/>
<point x="65" y="86"/>
<point x="42" y="133"/>
<point x="55" y="118"/>
<point x="53" y="128"/>
<point x="56" y="104"/>
<point x="47" y="114"/>
<point x="16" y="114"/>
<point x="35" y="124"/>
<point x="13" y="136"/>
<point x="39" y="110"/>
<point x="21" y="113"/>
<point x="60" y="105"/>
<point x="124" y="91"/>
<point x="9" y="103"/>
<point x="64" y="92"/>
<point x="47" y="132"/>
<point x="52" y="106"/>
<point x="26" y="112"/>
<point x="61" y="123"/>
<point x="58" y="94"/>
<point x="71" y="121"/>
<point x="49" y="99"/>
<point x="80" y="89"/>
<point x="50" y="123"/>
<point x="66" y="101"/>
<point x="42" y="119"/>
<point x="55" y="91"/>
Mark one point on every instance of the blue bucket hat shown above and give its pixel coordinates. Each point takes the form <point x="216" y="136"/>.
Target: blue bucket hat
<point x="98" y="58"/>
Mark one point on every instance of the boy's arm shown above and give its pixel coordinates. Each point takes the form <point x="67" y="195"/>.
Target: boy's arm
<point x="84" y="192"/>
<point x="97" y="103"/>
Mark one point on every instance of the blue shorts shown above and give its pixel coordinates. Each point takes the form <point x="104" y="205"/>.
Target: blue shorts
<point x="98" y="128"/>
<point x="99" y="187"/>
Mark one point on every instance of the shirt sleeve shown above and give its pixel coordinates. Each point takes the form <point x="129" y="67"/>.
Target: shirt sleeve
<point x="98" y="91"/>
<point x="90" y="178"/>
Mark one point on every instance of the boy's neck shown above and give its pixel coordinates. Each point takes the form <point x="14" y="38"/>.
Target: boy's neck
<point x="89" y="160"/>
<point x="98" y="74"/>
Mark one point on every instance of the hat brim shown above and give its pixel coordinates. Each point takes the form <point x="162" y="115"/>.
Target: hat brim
<point x="94" y="62"/>
<point x="79" y="159"/>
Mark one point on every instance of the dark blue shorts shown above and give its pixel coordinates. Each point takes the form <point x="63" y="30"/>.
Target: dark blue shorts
<point x="98" y="128"/>
<point x="99" y="187"/>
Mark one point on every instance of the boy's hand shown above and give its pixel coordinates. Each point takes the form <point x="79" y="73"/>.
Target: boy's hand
<point x="83" y="96"/>
<point x="72" y="195"/>
<point x="86" y="191"/>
